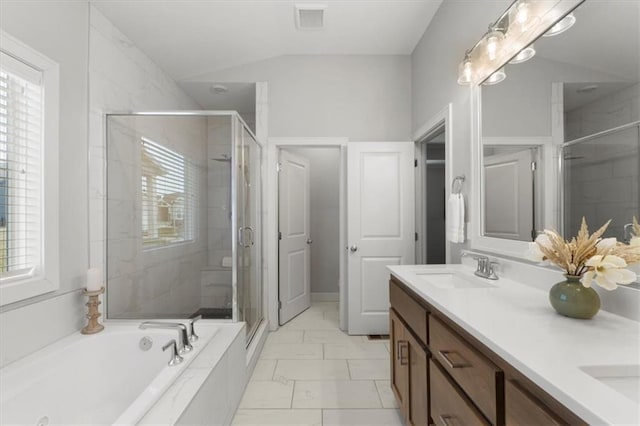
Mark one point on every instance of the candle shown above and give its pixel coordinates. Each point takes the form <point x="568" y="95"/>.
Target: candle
<point x="94" y="279"/>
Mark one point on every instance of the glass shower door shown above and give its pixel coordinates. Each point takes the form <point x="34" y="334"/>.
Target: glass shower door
<point x="249" y="258"/>
<point x="602" y="181"/>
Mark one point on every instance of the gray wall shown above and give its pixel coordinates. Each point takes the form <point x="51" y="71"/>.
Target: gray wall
<point x="364" y="98"/>
<point x="456" y="26"/>
<point x="59" y="30"/>
<point x="521" y="105"/>
<point x="325" y="217"/>
<point x="119" y="78"/>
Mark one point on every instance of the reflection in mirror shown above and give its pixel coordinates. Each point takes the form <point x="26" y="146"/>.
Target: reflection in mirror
<point x="579" y="98"/>
<point x="512" y="206"/>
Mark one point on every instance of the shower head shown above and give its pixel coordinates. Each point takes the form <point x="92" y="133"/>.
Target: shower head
<point x="225" y="158"/>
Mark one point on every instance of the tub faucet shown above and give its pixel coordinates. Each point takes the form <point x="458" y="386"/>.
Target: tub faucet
<point x="193" y="337"/>
<point x="184" y="346"/>
<point x="175" y="357"/>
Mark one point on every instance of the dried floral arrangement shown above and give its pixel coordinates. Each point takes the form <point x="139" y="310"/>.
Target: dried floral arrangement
<point x="635" y="230"/>
<point x="589" y="256"/>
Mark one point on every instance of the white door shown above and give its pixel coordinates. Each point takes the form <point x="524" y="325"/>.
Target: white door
<point x="509" y="206"/>
<point x="380" y="217"/>
<point x="295" y="239"/>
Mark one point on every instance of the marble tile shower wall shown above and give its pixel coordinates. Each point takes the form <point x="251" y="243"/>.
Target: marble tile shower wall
<point x="610" y="111"/>
<point x="605" y="182"/>
<point x="216" y="279"/>
<point x="152" y="281"/>
<point x="121" y="78"/>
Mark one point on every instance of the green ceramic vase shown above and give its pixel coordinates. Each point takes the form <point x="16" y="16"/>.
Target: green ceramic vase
<point x="571" y="299"/>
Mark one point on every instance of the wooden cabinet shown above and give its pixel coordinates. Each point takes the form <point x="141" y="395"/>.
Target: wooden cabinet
<point x="409" y="380"/>
<point x="398" y="354"/>
<point x="449" y="405"/>
<point x="522" y="408"/>
<point x="417" y="413"/>
<point x="441" y="374"/>
<point x="473" y="372"/>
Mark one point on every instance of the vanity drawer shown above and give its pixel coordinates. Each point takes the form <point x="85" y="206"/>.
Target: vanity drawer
<point x="414" y="314"/>
<point x="449" y="406"/>
<point x="481" y="380"/>
<point x="523" y="408"/>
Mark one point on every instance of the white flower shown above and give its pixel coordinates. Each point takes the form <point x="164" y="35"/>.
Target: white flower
<point x="534" y="254"/>
<point x="635" y="241"/>
<point x="543" y="240"/>
<point x="607" y="243"/>
<point x="608" y="272"/>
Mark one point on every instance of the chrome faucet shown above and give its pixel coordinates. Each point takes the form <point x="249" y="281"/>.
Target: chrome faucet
<point x="184" y="345"/>
<point x="485" y="268"/>
<point x="175" y="356"/>
<point x="193" y="337"/>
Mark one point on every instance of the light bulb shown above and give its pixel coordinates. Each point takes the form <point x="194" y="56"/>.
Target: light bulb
<point x="493" y="44"/>
<point x="465" y="72"/>
<point x="522" y="12"/>
<point x="495" y="78"/>
<point x="561" y="26"/>
<point x="524" y="55"/>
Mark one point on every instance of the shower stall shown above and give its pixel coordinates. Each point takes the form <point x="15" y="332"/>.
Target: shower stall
<point x="184" y="231"/>
<point x="601" y="180"/>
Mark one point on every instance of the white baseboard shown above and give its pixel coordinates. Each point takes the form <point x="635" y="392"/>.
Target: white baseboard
<point x="325" y="297"/>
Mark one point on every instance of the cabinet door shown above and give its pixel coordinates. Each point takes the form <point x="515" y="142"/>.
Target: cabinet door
<point x="522" y="408"/>
<point x="418" y="407"/>
<point x="399" y="360"/>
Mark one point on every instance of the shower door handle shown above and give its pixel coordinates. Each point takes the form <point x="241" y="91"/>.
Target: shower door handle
<point x="241" y="236"/>
<point x="251" y="241"/>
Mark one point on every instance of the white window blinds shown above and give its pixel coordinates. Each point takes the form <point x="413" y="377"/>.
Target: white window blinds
<point x="168" y="196"/>
<point x="21" y="128"/>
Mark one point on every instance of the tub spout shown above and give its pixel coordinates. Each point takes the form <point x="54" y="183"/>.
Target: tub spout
<point x="184" y="345"/>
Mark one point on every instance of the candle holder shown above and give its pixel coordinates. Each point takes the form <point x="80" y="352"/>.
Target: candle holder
<point x="93" y="326"/>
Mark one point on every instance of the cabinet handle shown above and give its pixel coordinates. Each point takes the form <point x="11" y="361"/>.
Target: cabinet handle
<point x="401" y="355"/>
<point x="451" y="364"/>
<point x="447" y="420"/>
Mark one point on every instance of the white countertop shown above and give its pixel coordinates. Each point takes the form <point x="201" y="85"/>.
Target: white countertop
<point x="517" y="323"/>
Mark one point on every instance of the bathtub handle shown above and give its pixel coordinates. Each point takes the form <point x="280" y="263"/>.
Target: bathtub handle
<point x="175" y="357"/>
<point x="193" y="337"/>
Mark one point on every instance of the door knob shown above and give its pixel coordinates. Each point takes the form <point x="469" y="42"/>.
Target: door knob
<point x="309" y="241"/>
<point x="353" y="249"/>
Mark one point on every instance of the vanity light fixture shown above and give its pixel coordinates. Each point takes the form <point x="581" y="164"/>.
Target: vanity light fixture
<point x="465" y="71"/>
<point x="510" y="38"/>
<point x="563" y="25"/>
<point x="522" y="12"/>
<point x="495" y="78"/>
<point x="494" y="40"/>
<point x="524" y="55"/>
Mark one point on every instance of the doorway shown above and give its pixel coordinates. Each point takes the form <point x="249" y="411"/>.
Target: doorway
<point x="433" y="180"/>
<point x="309" y="227"/>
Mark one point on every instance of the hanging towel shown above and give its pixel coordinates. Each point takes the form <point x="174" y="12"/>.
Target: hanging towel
<point x="455" y="218"/>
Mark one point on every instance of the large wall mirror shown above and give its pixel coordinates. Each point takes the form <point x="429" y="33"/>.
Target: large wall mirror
<point x="559" y="138"/>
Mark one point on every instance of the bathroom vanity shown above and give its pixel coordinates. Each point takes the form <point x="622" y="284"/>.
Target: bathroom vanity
<point x="466" y="350"/>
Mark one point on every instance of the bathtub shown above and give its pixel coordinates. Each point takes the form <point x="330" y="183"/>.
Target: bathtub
<point x="104" y="378"/>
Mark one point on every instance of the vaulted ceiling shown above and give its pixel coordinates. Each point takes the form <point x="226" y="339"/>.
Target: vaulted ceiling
<point x="192" y="37"/>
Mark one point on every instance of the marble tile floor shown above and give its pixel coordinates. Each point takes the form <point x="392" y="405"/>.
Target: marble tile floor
<point x="310" y="374"/>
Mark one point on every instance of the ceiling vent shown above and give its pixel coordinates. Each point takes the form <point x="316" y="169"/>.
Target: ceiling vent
<point x="310" y="16"/>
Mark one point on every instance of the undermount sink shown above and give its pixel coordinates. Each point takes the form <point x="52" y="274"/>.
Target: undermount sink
<point x="451" y="280"/>
<point x="624" y="379"/>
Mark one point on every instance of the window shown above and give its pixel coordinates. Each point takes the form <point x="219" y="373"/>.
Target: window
<point x="168" y="193"/>
<point x="28" y="172"/>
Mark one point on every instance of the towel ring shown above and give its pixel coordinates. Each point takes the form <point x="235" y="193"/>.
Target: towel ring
<point x="460" y="180"/>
